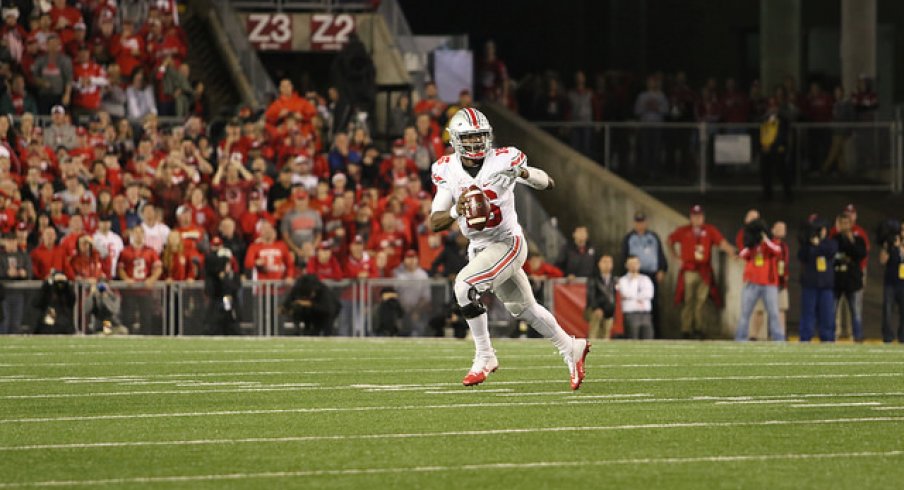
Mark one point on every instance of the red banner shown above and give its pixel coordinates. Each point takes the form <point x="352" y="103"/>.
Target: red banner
<point x="570" y="300"/>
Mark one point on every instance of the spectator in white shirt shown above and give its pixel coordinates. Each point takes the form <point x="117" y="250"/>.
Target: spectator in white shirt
<point x="108" y="244"/>
<point x="636" y="292"/>
<point x="139" y="98"/>
<point x="155" y="232"/>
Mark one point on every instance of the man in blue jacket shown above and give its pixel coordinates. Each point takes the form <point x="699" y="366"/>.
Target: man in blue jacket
<point x="892" y="257"/>
<point x="817" y="280"/>
<point x="646" y="246"/>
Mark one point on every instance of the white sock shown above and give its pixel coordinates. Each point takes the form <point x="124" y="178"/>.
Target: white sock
<point x="480" y="330"/>
<point x="541" y="320"/>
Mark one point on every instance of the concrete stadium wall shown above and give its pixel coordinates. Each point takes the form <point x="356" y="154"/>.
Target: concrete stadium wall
<point x="586" y="193"/>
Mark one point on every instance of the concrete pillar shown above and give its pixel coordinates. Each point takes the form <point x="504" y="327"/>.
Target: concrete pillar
<point x="858" y="41"/>
<point x="780" y="42"/>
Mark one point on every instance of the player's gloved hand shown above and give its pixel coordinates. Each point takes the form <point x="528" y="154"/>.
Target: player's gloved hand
<point x="505" y="178"/>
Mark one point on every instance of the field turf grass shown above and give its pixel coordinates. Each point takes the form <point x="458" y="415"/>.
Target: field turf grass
<point x="352" y="413"/>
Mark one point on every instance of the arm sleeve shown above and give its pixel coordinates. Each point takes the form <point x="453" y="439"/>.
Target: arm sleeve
<point x="647" y="289"/>
<point x="537" y="178"/>
<point x="442" y="201"/>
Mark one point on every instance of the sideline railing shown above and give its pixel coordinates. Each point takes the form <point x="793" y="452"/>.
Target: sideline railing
<point x="701" y="157"/>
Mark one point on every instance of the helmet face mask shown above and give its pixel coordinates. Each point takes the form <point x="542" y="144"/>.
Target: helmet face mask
<point x="470" y="134"/>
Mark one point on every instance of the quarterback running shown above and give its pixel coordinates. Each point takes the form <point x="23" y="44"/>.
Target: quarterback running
<point x="475" y="187"/>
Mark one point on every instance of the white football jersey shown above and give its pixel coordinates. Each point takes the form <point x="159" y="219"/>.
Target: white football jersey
<point x="448" y="174"/>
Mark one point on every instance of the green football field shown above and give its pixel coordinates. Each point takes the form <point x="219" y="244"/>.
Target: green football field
<point x="351" y="413"/>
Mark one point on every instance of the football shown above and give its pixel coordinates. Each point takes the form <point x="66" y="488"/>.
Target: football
<point x="477" y="208"/>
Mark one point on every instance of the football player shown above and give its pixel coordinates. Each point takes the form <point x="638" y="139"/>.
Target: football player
<point x="498" y="250"/>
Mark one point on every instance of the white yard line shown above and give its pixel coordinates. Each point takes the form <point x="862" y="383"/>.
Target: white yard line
<point x="459" y="468"/>
<point x="888" y="408"/>
<point x="39" y="396"/>
<point x="760" y="402"/>
<point x="830" y="405"/>
<point x="467" y="433"/>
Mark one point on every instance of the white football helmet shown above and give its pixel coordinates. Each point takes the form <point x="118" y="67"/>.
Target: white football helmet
<point x="469" y="121"/>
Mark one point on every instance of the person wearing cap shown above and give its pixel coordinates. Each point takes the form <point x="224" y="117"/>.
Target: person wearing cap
<point x="53" y="76"/>
<point x="301" y="225"/>
<point x="15" y="265"/>
<point x="61" y="132"/>
<point x="774" y="145"/>
<point x="646" y="245"/>
<point x="696" y="278"/>
<point x="359" y="264"/>
<point x="578" y="257"/>
<point x="325" y="265"/>
<point x="77" y="40"/>
<point x="817" y="279"/>
<point x="11" y="24"/>
<point x="844" y="318"/>
<point x="414" y="294"/>
<point x="108" y="244"/>
<point x="86" y="211"/>
<point x="849" y="276"/>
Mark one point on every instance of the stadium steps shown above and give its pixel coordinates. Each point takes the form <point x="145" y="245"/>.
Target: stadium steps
<point x="208" y="66"/>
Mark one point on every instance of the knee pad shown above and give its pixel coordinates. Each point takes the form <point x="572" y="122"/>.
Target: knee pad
<point x="469" y="300"/>
<point x="473" y="310"/>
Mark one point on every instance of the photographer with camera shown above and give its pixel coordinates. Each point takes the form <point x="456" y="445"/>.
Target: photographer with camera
<point x="312" y="303"/>
<point x="389" y="314"/>
<point x="892" y="257"/>
<point x="222" y="284"/>
<point x="848" y="274"/>
<point x="55" y="301"/>
<point x="104" y="306"/>
<point x="761" y="278"/>
<point x="817" y="279"/>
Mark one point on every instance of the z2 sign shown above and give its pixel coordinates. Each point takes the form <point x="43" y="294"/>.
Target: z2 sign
<point x="330" y="32"/>
<point x="270" y="32"/>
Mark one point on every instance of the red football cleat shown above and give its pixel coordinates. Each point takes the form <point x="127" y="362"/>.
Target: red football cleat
<point x="479" y="370"/>
<point x="579" y="351"/>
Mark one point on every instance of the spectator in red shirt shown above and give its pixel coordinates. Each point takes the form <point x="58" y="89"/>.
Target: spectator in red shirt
<point x="288" y="102"/>
<point x="761" y="279"/>
<point x="47" y="257"/>
<point x="63" y="16"/>
<point x="431" y="103"/>
<point x="127" y="48"/>
<point x="696" y="279"/>
<point x="232" y="182"/>
<point x="177" y="263"/>
<point x="86" y="264"/>
<point x="268" y="257"/>
<point x="138" y="262"/>
<point x="538" y="271"/>
<point x="249" y="222"/>
<point x="359" y="264"/>
<point x="201" y="213"/>
<point x="89" y="81"/>
<point x="325" y="266"/>
<point x="390" y="240"/>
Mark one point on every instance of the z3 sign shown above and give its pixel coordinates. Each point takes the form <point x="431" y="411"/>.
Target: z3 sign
<point x="270" y="32"/>
<point x="330" y="32"/>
